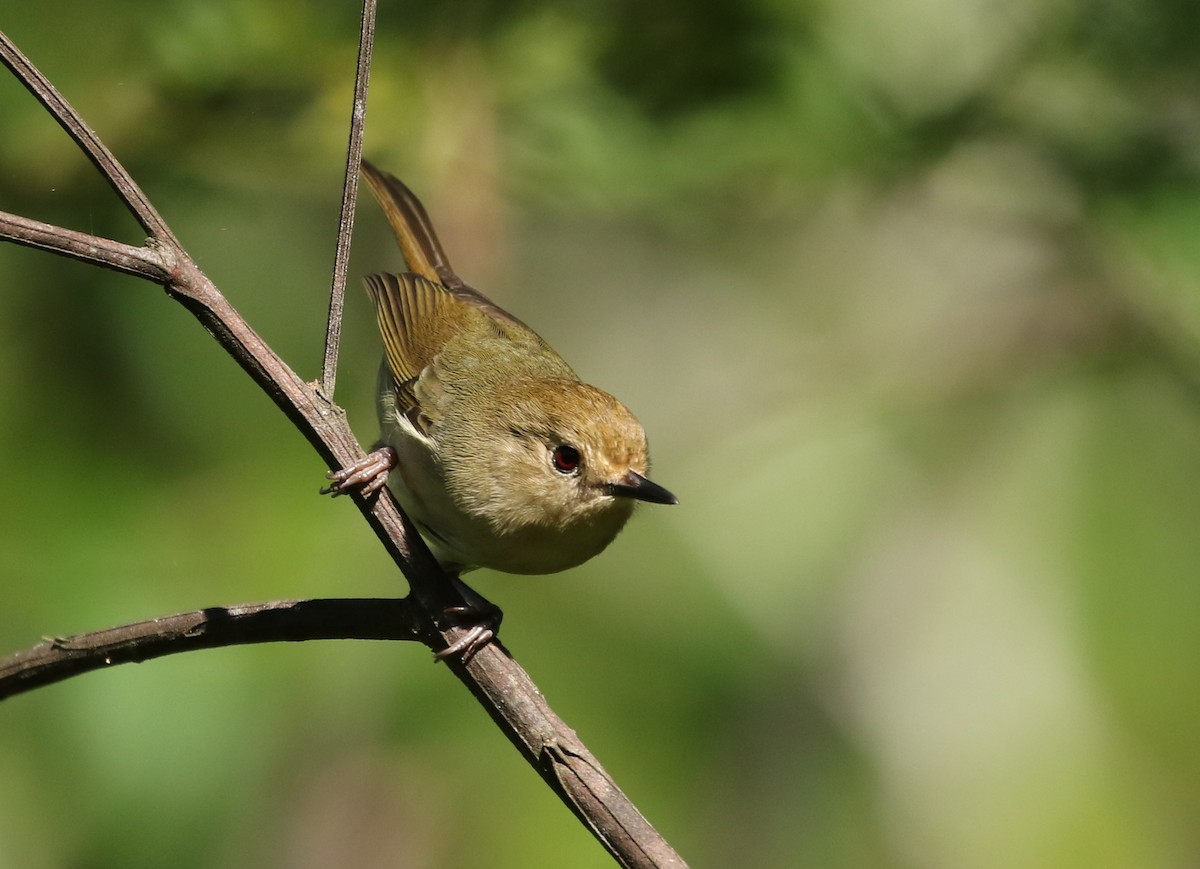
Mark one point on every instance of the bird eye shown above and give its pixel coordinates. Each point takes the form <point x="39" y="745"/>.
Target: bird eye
<point x="566" y="459"/>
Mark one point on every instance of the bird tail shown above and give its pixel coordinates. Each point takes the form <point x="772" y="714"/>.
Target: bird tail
<point x="422" y="251"/>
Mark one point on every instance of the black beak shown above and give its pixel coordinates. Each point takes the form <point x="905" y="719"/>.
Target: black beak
<point x="634" y="485"/>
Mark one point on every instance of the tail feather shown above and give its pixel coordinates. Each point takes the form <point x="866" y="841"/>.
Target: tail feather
<point x="422" y="251"/>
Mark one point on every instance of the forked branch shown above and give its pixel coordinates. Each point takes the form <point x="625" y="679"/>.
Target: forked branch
<point x="500" y="684"/>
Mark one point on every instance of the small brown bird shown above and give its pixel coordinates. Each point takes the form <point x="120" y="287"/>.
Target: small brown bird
<point x="499" y="454"/>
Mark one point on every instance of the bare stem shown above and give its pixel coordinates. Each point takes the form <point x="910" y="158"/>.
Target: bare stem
<point x="284" y="620"/>
<point x="341" y="262"/>
<point x="152" y="262"/>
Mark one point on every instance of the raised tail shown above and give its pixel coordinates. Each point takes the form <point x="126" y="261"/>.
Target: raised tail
<point x="422" y="251"/>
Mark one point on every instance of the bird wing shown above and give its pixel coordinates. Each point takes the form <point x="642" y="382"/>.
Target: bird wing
<point x="416" y="319"/>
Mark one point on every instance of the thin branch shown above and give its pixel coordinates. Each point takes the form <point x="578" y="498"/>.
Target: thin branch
<point x="152" y="262"/>
<point x="277" y="621"/>
<point x="498" y="682"/>
<point x="341" y="261"/>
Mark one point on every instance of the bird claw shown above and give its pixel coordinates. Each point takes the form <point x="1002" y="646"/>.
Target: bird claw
<point x="468" y="644"/>
<point x="369" y="474"/>
<point x="481" y="620"/>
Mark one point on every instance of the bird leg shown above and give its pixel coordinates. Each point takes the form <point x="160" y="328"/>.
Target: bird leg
<point x="479" y="617"/>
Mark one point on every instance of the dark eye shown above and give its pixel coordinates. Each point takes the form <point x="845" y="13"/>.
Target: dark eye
<point x="566" y="459"/>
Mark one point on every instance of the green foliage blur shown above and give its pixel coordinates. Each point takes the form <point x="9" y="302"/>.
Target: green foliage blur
<point x="907" y="296"/>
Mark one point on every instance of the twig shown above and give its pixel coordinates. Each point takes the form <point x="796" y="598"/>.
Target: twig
<point x="151" y="262"/>
<point x="341" y="261"/>
<point x="500" y="684"/>
<point x="277" y="621"/>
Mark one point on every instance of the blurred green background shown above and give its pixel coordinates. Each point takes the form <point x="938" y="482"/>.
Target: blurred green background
<point x="907" y="296"/>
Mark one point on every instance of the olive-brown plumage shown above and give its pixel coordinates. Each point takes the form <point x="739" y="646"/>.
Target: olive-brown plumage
<point x="504" y="458"/>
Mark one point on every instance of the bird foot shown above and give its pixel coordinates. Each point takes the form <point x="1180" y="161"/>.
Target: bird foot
<point x="474" y="639"/>
<point x="368" y="474"/>
<point x="479" y="617"/>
